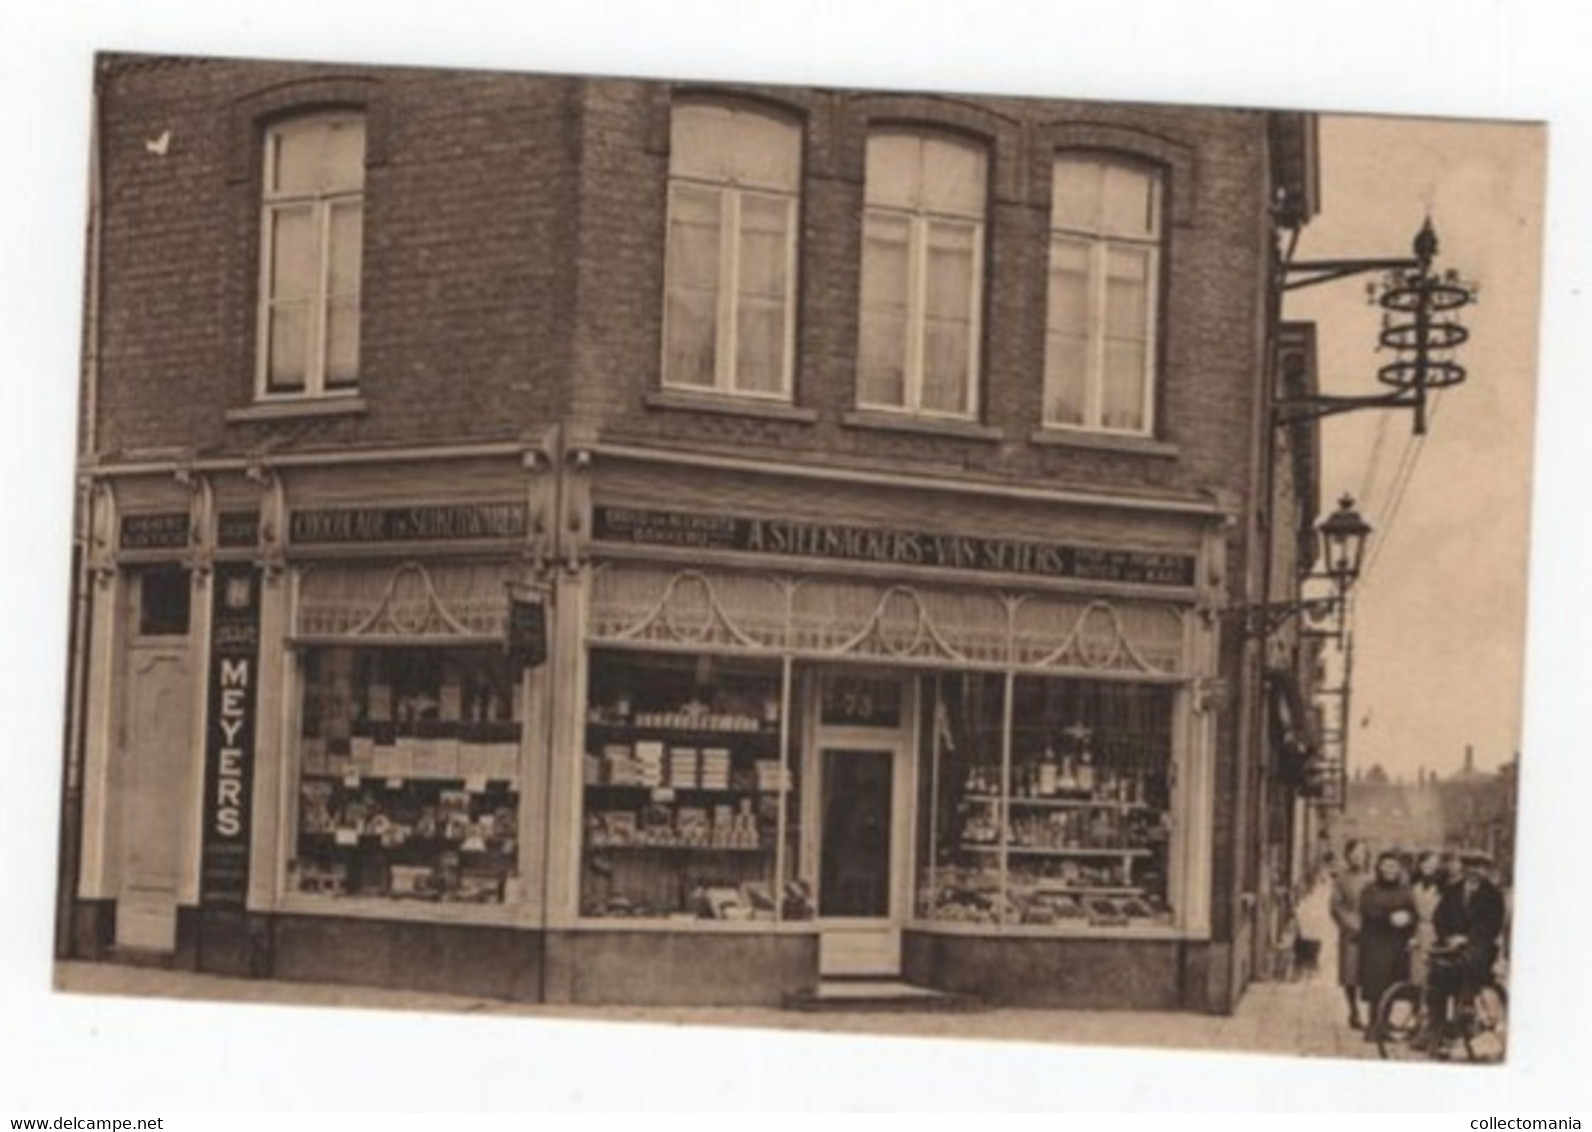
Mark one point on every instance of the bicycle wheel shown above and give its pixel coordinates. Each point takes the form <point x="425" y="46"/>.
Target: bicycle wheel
<point x="1486" y="1035"/>
<point x="1398" y="1020"/>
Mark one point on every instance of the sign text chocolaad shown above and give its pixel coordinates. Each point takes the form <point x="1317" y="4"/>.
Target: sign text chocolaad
<point x="845" y="542"/>
<point x="442" y="522"/>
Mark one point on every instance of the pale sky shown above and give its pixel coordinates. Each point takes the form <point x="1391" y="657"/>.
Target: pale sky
<point x="1440" y="614"/>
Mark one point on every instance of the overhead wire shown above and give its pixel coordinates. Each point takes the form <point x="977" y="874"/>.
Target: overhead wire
<point x="1402" y="477"/>
<point x="1375" y="461"/>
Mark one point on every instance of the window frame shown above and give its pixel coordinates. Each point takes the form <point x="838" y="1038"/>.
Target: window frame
<point x="920" y="220"/>
<point x="321" y="205"/>
<point x="731" y="192"/>
<point x="1099" y="243"/>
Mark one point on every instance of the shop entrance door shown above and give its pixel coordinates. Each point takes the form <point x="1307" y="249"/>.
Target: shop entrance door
<point x="859" y="860"/>
<point x="153" y="789"/>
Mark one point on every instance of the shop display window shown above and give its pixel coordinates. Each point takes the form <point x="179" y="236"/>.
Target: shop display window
<point x="1067" y="823"/>
<point x="409" y="774"/>
<point x="687" y="784"/>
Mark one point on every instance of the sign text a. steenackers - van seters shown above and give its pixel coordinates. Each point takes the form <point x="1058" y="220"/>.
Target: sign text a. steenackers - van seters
<point x="906" y="548"/>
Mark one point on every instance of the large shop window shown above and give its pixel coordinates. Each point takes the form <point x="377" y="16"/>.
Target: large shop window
<point x="922" y="266"/>
<point x="734" y="185"/>
<point x="688" y="785"/>
<point x="311" y="244"/>
<point x="1068" y="824"/>
<point x="409" y="782"/>
<point x="1105" y="275"/>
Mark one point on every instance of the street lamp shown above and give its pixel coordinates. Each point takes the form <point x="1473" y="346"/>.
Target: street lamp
<point x="1420" y="324"/>
<point x="1343" y="536"/>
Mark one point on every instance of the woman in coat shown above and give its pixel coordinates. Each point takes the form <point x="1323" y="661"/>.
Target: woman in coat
<point x="1345" y="908"/>
<point x="1387" y="920"/>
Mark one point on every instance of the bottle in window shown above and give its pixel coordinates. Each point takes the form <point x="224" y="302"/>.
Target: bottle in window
<point x="1048" y="773"/>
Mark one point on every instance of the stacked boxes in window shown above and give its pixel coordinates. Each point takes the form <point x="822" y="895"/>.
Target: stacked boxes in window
<point x="715" y="768"/>
<point x="773" y="776"/>
<point x="649" y="762"/>
<point x="683" y="763"/>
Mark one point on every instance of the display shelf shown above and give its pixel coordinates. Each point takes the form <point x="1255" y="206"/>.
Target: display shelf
<point x="397" y="781"/>
<point x="1062" y="803"/>
<point x="1048" y="851"/>
<point x="718" y="791"/>
<point x="629" y="846"/>
<point x="684" y="734"/>
<point x="327" y="839"/>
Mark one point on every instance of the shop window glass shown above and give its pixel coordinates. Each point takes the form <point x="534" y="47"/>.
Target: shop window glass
<point x="409" y="774"/>
<point x="1067" y="824"/>
<point x="164" y="600"/>
<point x="685" y="780"/>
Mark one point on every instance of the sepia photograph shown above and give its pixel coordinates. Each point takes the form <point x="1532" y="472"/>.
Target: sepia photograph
<point x="822" y="560"/>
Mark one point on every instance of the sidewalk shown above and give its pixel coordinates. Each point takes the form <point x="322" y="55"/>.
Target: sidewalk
<point x="1299" y="1018"/>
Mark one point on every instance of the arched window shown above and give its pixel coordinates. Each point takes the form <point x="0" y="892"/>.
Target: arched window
<point x="311" y="229"/>
<point x="1105" y="271"/>
<point x="922" y="267"/>
<point x="729" y="307"/>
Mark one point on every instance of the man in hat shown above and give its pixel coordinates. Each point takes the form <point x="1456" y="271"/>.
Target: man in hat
<point x="1469" y="920"/>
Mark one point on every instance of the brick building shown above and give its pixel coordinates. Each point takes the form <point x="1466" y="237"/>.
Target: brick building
<point x="858" y="477"/>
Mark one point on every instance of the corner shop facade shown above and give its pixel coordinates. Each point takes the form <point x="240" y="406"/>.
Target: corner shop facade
<point x="821" y="693"/>
<point x="774" y="737"/>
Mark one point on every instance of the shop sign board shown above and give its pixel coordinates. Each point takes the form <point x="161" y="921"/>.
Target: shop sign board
<point x="906" y="548"/>
<point x="527" y="631"/>
<point x="237" y="529"/>
<point x="161" y="530"/>
<point x="229" y="734"/>
<point x="434" y="522"/>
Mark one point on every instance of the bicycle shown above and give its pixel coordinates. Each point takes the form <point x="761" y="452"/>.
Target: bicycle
<point x="1477" y="1019"/>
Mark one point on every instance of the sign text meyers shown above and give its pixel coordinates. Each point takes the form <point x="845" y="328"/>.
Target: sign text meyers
<point x="229" y="738"/>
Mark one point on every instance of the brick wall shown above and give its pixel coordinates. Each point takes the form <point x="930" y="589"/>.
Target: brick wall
<point x="513" y="268"/>
<point x="1211" y="320"/>
<point x="469" y="190"/>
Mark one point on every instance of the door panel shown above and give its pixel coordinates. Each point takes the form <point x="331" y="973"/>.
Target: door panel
<point x="154" y="790"/>
<point x="855" y="848"/>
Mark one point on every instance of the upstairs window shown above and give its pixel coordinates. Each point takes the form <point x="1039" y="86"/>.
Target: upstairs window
<point x="729" y="307"/>
<point x="1105" y="272"/>
<point x="310" y="239"/>
<point x="922" y="266"/>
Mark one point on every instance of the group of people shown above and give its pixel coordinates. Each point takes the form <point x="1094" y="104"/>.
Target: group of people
<point x="1391" y="923"/>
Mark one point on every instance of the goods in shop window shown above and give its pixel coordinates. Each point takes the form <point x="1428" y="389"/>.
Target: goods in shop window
<point x="796" y="901"/>
<point x="315" y="807"/>
<point x="321" y="878"/>
<point x="312" y="755"/>
<point x="477" y="886"/>
<point x="411" y="882"/>
<point x="759" y="897"/>
<point x="683" y="767"/>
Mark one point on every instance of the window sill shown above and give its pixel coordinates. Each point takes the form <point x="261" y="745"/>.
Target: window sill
<point x="1104" y="442"/>
<point x="933" y="426"/>
<point x="305" y="407"/>
<point x="730" y="406"/>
